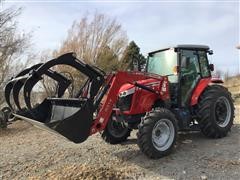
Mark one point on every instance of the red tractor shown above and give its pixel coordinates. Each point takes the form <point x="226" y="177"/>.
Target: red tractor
<point x="175" y="93"/>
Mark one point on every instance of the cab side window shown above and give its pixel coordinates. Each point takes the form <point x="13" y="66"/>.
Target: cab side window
<point x="190" y="74"/>
<point x="203" y="64"/>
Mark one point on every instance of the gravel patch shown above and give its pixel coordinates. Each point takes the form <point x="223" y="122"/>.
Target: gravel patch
<point x="30" y="153"/>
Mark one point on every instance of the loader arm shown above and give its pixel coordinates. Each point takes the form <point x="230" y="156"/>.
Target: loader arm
<point x="114" y="83"/>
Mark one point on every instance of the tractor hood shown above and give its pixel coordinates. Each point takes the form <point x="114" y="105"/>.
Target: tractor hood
<point x="127" y="89"/>
<point x="140" y="96"/>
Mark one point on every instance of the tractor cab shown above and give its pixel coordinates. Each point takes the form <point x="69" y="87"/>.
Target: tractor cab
<point x="185" y="66"/>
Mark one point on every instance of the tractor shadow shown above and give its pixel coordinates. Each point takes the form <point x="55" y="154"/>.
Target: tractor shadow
<point x="129" y="142"/>
<point x="15" y="128"/>
<point x="192" y="151"/>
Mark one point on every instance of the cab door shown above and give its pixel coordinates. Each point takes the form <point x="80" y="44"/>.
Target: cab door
<point x="189" y="75"/>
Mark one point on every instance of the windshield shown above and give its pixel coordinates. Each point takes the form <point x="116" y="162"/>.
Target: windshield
<point x="163" y="63"/>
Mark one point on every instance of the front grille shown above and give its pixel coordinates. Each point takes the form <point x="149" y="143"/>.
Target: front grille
<point x="124" y="103"/>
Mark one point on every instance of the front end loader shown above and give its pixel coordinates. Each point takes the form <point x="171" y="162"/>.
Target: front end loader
<point x="74" y="117"/>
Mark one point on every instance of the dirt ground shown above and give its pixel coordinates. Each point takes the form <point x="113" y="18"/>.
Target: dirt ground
<point x="30" y="153"/>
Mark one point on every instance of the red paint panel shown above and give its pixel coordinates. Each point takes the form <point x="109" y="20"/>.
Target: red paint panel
<point x="203" y="83"/>
<point x="143" y="100"/>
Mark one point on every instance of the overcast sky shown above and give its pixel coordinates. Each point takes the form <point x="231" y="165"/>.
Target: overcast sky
<point x="152" y="25"/>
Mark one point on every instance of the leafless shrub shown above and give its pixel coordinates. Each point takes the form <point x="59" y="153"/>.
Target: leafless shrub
<point x="12" y="46"/>
<point x="98" y="40"/>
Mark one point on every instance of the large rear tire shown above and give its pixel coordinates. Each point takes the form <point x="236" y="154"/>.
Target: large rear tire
<point x="115" y="132"/>
<point x="215" y="111"/>
<point x="157" y="133"/>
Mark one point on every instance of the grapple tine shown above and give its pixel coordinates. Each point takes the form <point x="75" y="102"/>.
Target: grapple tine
<point x="10" y="85"/>
<point x="28" y="86"/>
<point x="27" y="70"/>
<point x="16" y="90"/>
<point x="8" y="89"/>
<point x="63" y="83"/>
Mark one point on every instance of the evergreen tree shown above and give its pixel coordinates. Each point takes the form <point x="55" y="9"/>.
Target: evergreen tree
<point x="132" y="58"/>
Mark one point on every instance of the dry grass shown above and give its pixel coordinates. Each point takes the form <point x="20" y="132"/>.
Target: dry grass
<point x="233" y="85"/>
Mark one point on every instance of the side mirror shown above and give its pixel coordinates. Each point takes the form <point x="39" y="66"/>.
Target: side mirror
<point x="210" y="52"/>
<point x="211" y="67"/>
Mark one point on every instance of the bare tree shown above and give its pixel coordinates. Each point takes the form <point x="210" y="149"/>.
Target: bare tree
<point x="89" y="38"/>
<point x="12" y="45"/>
<point x="98" y="40"/>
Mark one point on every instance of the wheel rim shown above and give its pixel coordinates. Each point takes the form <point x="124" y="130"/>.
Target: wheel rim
<point x="222" y="111"/>
<point x="117" y="129"/>
<point x="163" y="134"/>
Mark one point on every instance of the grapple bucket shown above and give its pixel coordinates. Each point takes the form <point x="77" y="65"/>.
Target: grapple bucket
<point x="72" y="117"/>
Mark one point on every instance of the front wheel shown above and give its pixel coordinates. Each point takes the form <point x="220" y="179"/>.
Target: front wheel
<point x="115" y="131"/>
<point x="157" y="133"/>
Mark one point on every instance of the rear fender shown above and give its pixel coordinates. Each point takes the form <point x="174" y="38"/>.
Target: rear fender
<point x="216" y="80"/>
<point x="202" y="84"/>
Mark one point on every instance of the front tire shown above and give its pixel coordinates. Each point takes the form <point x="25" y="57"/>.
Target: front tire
<point x="157" y="133"/>
<point x="215" y="111"/>
<point x="115" y="132"/>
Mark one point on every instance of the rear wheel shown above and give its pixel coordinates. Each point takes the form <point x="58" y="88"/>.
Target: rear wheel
<point x="115" y="131"/>
<point x="157" y="133"/>
<point x="215" y="111"/>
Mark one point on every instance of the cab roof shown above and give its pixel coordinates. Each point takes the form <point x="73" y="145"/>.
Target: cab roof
<point x="184" y="46"/>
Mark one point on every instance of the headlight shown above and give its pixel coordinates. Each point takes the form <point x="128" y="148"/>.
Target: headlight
<point x="127" y="92"/>
<point x="124" y="102"/>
